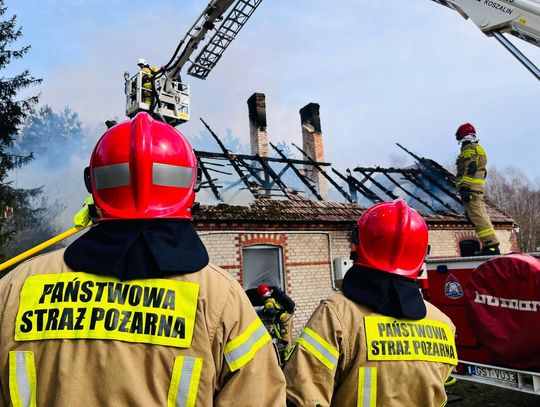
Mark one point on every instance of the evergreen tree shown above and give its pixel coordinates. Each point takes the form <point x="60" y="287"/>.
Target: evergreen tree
<point x="45" y="128"/>
<point x="17" y="206"/>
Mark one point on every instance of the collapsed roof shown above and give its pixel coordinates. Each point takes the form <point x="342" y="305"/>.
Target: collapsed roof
<point x="258" y="188"/>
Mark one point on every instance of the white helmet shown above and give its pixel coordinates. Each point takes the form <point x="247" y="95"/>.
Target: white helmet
<point x="142" y="62"/>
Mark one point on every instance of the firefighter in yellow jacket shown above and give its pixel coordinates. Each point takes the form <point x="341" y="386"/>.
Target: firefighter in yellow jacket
<point x="147" y="75"/>
<point x="379" y="343"/>
<point x="470" y="178"/>
<point x="131" y="313"/>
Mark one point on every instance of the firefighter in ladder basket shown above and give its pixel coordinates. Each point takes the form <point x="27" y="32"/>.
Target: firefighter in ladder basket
<point x="146" y="79"/>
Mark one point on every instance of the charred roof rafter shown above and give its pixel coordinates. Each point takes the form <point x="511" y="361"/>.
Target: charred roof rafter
<point x="254" y="171"/>
<point x="444" y="174"/>
<point x="261" y="177"/>
<point x="356" y="186"/>
<point x="210" y="181"/>
<point x="306" y="181"/>
<point x="411" y="174"/>
<point x="367" y="172"/>
<point x="397" y="184"/>
<point x="325" y="174"/>
<point x="231" y="158"/>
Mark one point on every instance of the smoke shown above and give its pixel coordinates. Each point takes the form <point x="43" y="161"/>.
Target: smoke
<point x="61" y="145"/>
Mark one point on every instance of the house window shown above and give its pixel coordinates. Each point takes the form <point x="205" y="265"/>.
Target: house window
<point x="468" y="247"/>
<point x="261" y="264"/>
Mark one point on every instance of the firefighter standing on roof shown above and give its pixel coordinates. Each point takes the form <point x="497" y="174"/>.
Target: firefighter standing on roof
<point x="378" y="343"/>
<point x="131" y="313"/>
<point x="471" y="166"/>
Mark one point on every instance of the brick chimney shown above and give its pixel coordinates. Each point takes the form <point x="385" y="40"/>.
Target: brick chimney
<point x="257" y="124"/>
<point x="313" y="145"/>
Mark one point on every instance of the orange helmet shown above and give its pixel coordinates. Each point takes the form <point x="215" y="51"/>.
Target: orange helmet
<point x="391" y="237"/>
<point x="142" y="169"/>
<point x="465" y="130"/>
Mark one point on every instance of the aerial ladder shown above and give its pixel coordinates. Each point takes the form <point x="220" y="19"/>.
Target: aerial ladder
<point x="168" y="94"/>
<point x="520" y="18"/>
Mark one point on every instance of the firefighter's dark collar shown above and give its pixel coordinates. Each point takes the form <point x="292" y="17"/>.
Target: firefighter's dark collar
<point x="385" y="293"/>
<point x="138" y="249"/>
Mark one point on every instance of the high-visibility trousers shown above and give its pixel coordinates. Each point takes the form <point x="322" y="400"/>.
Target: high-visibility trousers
<point x="147" y="92"/>
<point x="477" y="214"/>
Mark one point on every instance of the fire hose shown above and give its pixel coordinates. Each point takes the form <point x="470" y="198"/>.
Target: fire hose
<point x="81" y="221"/>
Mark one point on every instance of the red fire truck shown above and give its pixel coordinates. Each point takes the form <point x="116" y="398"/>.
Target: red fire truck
<point x="495" y="304"/>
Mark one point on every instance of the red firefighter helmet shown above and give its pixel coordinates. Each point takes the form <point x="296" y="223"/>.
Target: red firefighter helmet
<point x="392" y="237"/>
<point x="143" y="169"/>
<point x="263" y="290"/>
<point x="465" y="130"/>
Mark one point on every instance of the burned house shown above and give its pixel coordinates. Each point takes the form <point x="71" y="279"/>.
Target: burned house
<point x="286" y="222"/>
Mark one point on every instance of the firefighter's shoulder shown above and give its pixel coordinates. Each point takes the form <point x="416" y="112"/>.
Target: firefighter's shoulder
<point x="40" y="264"/>
<point x="468" y="151"/>
<point x="436" y="314"/>
<point x="342" y="307"/>
<point x="215" y="280"/>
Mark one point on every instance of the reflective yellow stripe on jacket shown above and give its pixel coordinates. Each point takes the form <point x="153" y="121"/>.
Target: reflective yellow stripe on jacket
<point x="485" y="232"/>
<point x="471" y="180"/>
<point x="318" y="347"/>
<point x="471" y="150"/>
<point x="243" y="348"/>
<point x="184" y="381"/>
<point x="22" y="379"/>
<point x="367" y="387"/>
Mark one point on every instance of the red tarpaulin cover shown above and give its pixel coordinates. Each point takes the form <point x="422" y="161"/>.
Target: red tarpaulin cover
<point x="503" y="306"/>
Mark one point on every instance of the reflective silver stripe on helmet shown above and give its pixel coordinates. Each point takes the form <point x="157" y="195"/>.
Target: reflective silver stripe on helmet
<point x="112" y="176"/>
<point x="22" y="379"/>
<point x="172" y="175"/>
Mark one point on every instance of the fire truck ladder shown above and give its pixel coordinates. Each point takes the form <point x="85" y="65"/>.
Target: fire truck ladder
<point x="526" y="62"/>
<point x="523" y="21"/>
<point x="224" y="35"/>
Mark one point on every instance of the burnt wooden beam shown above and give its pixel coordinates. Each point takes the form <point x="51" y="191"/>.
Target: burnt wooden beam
<point x="355" y="184"/>
<point x="301" y="176"/>
<point x="210" y="181"/>
<point x="223" y="156"/>
<point x="367" y="175"/>
<point x="323" y="172"/>
<point x="231" y="159"/>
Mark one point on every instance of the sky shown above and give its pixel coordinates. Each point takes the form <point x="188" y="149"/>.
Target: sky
<point x="383" y="71"/>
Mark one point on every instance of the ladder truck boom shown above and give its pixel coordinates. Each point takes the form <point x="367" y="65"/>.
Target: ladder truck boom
<point x="163" y="92"/>
<point x="520" y="18"/>
<point x="197" y="33"/>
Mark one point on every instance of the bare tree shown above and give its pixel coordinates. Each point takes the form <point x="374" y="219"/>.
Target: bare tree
<point x="512" y="191"/>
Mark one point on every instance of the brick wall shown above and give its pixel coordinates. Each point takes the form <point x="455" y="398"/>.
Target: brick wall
<point x="223" y="252"/>
<point x="307" y="259"/>
<point x="310" y="274"/>
<point x="445" y="243"/>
